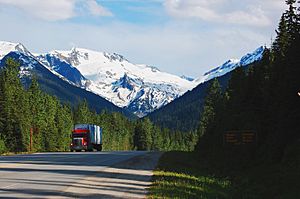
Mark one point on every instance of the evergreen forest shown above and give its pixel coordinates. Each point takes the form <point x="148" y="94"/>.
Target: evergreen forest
<point x="249" y="132"/>
<point x="25" y="111"/>
<point x="263" y="98"/>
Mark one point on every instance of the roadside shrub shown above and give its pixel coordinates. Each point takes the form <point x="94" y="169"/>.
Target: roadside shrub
<point x="2" y="147"/>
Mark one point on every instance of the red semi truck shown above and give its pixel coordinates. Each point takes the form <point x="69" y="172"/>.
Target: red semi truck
<point x="86" y="137"/>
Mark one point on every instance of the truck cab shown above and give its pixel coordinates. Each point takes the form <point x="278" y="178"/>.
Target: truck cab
<point x="86" y="137"/>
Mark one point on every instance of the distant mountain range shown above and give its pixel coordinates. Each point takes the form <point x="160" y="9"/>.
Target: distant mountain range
<point x="184" y="113"/>
<point x="134" y="88"/>
<point x="137" y="88"/>
<point x="52" y="82"/>
<point x="231" y="64"/>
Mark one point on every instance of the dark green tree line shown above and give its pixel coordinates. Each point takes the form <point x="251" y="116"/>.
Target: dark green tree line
<point x="31" y="113"/>
<point x="263" y="97"/>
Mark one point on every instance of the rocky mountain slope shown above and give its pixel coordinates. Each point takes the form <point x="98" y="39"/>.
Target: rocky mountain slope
<point x="52" y="82"/>
<point x="140" y="89"/>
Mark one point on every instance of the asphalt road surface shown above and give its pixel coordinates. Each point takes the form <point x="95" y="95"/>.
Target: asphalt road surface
<point x="77" y="175"/>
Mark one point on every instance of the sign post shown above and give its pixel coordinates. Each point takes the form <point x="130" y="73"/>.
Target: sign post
<point x="244" y="137"/>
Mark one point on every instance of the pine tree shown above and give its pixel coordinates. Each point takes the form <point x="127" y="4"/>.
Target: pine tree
<point x="213" y="106"/>
<point x="285" y="86"/>
<point x="24" y="118"/>
<point x="156" y="137"/>
<point x="2" y="118"/>
<point x="64" y="125"/>
<point x="142" y="135"/>
<point x="2" y="99"/>
<point x="281" y="41"/>
<point x="212" y="103"/>
<point x="82" y="114"/>
<point x="49" y="134"/>
<point x="38" y="115"/>
<point x="12" y="92"/>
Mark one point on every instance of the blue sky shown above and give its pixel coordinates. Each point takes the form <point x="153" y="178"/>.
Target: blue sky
<point x="178" y="36"/>
<point x="143" y="12"/>
<point x="137" y="12"/>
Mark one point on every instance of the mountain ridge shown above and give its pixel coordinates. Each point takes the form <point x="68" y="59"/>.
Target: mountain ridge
<point x="184" y="113"/>
<point x="57" y="85"/>
<point x="138" y="88"/>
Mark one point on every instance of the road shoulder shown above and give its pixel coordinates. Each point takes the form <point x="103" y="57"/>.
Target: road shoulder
<point x="127" y="179"/>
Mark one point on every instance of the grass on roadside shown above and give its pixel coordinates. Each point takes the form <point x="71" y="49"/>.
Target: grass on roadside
<point x="184" y="175"/>
<point x="15" y="153"/>
<point x="179" y="175"/>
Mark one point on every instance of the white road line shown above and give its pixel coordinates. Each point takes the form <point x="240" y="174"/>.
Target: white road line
<point x="7" y="187"/>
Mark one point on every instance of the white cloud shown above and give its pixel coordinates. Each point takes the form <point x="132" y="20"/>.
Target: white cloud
<point x="255" y="16"/>
<point x="176" y="48"/>
<point x="190" y="8"/>
<point x="97" y="9"/>
<point x="47" y="10"/>
<point x="189" y="47"/>
<point x="52" y="10"/>
<point x="247" y="12"/>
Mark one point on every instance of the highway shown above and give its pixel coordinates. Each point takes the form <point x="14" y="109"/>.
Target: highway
<point x="77" y="175"/>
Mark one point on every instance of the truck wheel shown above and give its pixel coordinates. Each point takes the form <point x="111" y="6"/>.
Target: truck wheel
<point x="99" y="148"/>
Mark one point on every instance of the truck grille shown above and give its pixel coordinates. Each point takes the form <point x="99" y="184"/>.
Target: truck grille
<point x="78" y="142"/>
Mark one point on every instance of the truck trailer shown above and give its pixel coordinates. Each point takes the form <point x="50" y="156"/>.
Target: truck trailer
<point x="86" y="137"/>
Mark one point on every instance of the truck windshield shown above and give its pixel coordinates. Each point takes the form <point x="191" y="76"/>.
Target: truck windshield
<point x="79" y="135"/>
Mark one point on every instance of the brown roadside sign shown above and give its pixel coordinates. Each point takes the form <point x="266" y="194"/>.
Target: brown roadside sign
<point x="239" y="137"/>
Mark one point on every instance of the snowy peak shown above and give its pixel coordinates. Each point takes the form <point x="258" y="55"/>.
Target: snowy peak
<point x="63" y="68"/>
<point x="77" y="56"/>
<point x="18" y="51"/>
<point x="141" y="87"/>
<point x="231" y="64"/>
<point x="7" y="47"/>
<point x="110" y="67"/>
<point x="29" y="61"/>
<point x="114" y="57"/>
<point x="127" y="82"/>
<point x="138" y="88"/>
<point x="71" y="57"/>
<point x="252" y="57"/>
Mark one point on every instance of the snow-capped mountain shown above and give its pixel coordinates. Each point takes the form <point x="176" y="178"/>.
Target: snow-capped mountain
<point x="22" y="52"/>
<point x="232" y="64"/>
<point x="29" y="59"/>
<point x="139" y="88"/>
<point x="190" y="104"/>
<point x="7" y="47"/>
<point x="51" y="81"/>
<point x="63" y="68"/>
